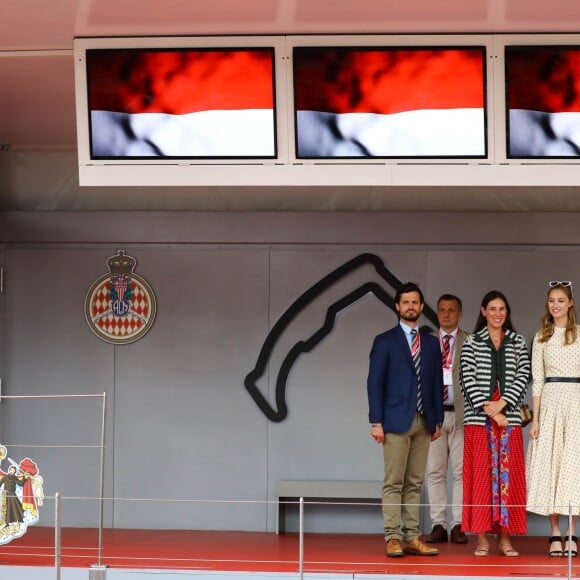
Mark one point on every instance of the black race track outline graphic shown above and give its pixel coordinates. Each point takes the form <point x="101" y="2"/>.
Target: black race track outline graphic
<point x="280" y="411"/>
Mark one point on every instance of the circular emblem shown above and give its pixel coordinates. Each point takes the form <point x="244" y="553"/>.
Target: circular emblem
<point x="120" y="306"/>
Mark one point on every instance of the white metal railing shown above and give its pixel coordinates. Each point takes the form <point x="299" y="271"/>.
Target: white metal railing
<point x="562" y="568"/>
<point x="300" y="503"/>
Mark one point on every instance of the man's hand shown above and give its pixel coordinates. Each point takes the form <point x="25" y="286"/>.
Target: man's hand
<point x="437" y="434"/>
<point x="377" y="433"/>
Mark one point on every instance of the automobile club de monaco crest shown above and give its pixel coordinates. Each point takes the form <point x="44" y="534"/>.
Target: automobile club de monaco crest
<point x="21" y="496"/>
<point x="120" y="306"/>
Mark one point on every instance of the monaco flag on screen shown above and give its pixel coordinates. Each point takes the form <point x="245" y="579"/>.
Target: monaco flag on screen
<point x="211" y="103"/>
<point x="404" y="102"/>
<point x="543" y="101"/>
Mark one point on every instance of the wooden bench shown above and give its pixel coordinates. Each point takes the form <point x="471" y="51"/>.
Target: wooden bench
<point x="323" y="490"/>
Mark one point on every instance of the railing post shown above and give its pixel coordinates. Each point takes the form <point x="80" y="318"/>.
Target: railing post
<point x="301" y="540"/>
<point x="102" y="482"/>
<point x="569" y="535"/>
<point x="57" y="538"/>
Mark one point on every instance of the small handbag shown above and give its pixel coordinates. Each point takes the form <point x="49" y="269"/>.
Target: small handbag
<point x="526" y="414"/>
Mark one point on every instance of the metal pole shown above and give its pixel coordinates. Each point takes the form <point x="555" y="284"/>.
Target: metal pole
<point x="57" y="528"/>
<point x="102" y="482"/>
<point x="570" y="538"/>
<point x="301" y="541"/>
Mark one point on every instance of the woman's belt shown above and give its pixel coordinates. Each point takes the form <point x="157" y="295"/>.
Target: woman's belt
<point x="562" y="380"/>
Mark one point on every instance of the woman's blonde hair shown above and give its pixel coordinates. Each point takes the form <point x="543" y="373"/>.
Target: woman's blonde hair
<point x="547" y="329"/>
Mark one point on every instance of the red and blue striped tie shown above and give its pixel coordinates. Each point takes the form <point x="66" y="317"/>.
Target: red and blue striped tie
<point x="416" y="354"/>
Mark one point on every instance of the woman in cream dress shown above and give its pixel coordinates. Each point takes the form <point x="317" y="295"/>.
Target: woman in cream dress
<point x="553" y="462"/>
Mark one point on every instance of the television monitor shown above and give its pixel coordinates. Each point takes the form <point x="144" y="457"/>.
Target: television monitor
<point x="542" y="85"/>
<point x="179" y="98"/>
<point x="409" y="102"/>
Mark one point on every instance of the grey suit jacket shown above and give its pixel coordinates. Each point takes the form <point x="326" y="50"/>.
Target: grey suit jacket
<point x="457" y="394"/>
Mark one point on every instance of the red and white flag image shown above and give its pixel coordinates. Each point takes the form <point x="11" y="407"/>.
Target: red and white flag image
<point x="543" y="101"/>
<point x="181" y="103"/>
<point x="408" y="102"/>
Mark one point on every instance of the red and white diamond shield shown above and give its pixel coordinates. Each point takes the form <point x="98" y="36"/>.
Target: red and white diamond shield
<point x="125" y="328"/>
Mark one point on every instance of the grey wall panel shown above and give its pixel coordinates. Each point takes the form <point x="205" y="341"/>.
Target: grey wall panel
<point x="522" y="274"/>
<point x="185" y="428"/>
<point x="49" y="350"/>
<point x="326" y="434"/>
<point x="415" y="226"/>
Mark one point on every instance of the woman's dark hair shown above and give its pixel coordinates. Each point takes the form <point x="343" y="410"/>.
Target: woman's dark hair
<point x="494" y="295"/>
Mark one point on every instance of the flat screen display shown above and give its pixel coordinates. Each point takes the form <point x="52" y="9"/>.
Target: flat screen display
<point x="214" y="103"/>
<point x="542" y="101"/>
<point x="377" y="102"/>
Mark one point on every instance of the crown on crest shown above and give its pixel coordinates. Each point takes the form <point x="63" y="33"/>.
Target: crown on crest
<point x="121" y="263"/>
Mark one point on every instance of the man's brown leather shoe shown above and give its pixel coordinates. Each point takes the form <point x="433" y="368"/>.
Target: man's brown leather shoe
<point x="438" y="535"/>
<point x="394" y="548"/>
<point x="457" y="536"/>
<point x="418" y="548"/>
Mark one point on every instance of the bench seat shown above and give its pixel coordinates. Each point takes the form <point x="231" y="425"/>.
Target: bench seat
<point x="293" y="489"/>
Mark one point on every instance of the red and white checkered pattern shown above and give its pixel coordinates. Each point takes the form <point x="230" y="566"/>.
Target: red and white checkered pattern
<point x="113" y="326"/>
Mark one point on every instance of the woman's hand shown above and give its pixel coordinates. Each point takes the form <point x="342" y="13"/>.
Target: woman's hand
<point x="493" y="408"/>
<point x="500" y="419"/>
<point x="534" y="429"/>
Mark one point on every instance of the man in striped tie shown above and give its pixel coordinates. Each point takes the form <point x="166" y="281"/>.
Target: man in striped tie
<point x="448" y="449"/>
<point x="405" y="392"/>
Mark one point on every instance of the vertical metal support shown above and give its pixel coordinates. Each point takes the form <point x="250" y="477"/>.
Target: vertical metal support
<point x="57" y="529"/>
<point x="301" y="540"/>
<point x="97" y="573"/>
<point x="102" y="482"/>
<point x="569" y="555"/>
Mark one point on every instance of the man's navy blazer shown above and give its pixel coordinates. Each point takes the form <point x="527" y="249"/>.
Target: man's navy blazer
<point x="392" y="382"/>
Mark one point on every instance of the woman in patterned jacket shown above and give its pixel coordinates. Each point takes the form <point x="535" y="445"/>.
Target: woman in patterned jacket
<point x="495" y="369"/>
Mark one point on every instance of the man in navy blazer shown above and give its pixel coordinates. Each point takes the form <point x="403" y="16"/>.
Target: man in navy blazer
<point x="406" y="412"/>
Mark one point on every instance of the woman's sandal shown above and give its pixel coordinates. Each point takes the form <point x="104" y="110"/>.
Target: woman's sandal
<point x="482" y="548"/>
<point x="506" y="549"/>
<point x="555" y="546"/>
<point x="571" y="546"/>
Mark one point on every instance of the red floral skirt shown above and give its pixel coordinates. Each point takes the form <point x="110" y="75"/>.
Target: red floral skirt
<point x="494" y="481"/>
